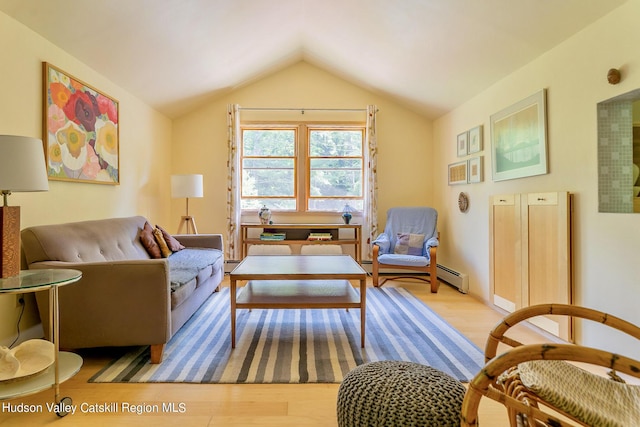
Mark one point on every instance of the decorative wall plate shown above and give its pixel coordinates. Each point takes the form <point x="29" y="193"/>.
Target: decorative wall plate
<point x="463" y="202"/>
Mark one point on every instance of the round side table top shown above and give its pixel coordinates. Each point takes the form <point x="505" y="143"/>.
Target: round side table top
<point x="39" y="279"/>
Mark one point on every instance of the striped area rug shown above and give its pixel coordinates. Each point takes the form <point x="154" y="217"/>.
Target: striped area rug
<point x="301" y="346"/>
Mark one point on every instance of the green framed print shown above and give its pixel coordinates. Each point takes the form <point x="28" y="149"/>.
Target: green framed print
<point x="519" y="139"/>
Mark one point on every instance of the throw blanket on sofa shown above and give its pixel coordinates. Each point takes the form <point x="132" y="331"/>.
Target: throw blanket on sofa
<point x="184" y="265"/>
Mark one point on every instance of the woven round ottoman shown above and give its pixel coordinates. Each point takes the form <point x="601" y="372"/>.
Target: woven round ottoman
<point x="395" y="393"/>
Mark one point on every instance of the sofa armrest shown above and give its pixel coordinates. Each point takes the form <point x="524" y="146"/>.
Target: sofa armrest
<point x="210" y="241"/>
<point x="116" y="303"/>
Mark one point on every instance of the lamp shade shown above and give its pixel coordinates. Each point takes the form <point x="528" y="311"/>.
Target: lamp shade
<point x="22" y="165"/>
<point x="347" y="208"/>
<point x="186" y="186"/>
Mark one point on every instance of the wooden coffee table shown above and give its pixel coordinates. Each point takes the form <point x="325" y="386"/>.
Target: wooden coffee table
<point x="298" y="281"/>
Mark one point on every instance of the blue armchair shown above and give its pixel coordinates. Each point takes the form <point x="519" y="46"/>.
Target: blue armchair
<point x="409" y="242"/>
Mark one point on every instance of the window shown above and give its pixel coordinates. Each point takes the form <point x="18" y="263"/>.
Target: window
<point x="335" y="171"/>
<point x="269" y="163"/>
<point x="302" y="167"/>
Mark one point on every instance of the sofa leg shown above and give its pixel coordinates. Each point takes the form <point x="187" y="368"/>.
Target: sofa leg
<point x="156" y="353"/>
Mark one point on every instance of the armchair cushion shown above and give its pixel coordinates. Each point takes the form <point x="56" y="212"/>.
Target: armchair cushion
<point x="405" y="260"/>
<point x="409" y="244"/>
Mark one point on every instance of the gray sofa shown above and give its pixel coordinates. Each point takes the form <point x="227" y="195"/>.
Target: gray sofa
<point x="125" y="297"/>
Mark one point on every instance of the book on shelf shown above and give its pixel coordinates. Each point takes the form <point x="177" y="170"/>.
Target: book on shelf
<point x="319" y="236"/>
<point x="272" y="236"/>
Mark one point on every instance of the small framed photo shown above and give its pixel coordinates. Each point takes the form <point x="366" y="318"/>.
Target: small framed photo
<point x="463" y="140"/>
<point x="475" y="140"/>
<point x="458" y="173"/>
<point x="475" y="169"/>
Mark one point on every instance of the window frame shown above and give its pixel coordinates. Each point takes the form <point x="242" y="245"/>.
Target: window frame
<point x="302" y="163"/>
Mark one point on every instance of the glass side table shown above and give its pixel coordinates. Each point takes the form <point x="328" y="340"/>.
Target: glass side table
<point x="66" y="364"/>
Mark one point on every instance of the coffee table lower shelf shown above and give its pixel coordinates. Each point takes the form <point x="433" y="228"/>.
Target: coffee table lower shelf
<point x="303" y="294"/>
<point x="298" y="294"/>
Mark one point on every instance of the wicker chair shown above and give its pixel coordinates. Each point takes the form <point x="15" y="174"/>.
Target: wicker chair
<point x="540" y="387"/>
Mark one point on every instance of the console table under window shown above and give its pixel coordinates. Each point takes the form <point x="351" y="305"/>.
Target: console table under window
<point x="298" y="234"/>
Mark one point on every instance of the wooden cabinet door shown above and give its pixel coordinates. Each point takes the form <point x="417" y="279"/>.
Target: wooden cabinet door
<point x="505" y="252"/>
<point x="547" y="255"/>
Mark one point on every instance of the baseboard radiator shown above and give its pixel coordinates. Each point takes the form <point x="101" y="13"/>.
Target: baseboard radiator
<point x="454" y="278"/>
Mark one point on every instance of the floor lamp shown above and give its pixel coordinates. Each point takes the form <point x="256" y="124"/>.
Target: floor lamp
<point x="186" y="186"/>
<point x="22" y="168"/>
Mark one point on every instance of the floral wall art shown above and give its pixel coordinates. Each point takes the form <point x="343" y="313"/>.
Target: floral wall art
<point x="81" y="133"/>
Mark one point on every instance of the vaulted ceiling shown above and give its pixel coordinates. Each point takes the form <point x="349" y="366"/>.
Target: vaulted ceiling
<point x="431" y="55"/>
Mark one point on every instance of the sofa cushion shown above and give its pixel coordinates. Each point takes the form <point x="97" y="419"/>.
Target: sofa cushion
<point x="204" y="274"/>
<point x="187" y="264"/>
<point x="182" y="293"/>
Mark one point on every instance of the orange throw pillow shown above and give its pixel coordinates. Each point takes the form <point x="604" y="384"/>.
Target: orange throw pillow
<point x="172" y="242"/>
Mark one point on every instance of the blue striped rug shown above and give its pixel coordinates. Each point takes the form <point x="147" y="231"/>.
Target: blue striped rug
<point x="301" y="346"/>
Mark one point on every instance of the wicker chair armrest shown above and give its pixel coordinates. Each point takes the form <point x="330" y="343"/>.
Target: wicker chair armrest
<point x="497" y="335"/>
<point x="484" y="382"/>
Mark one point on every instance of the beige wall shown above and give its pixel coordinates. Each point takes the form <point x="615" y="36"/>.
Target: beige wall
<point x="145" y="137"/>
<point x="606" y="245"/>
<point x="200" y="140"/>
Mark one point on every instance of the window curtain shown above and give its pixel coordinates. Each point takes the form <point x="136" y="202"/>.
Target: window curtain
<point x="370" y="214"/>
<point x="233" y="185"/>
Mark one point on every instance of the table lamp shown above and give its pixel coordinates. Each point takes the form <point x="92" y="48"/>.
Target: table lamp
<point x="22" y="168"/>
<point x="346" y="213"/>
<point x="186" y="186"/>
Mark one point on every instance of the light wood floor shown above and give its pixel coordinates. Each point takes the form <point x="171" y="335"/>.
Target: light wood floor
<point x="247" y="404"/>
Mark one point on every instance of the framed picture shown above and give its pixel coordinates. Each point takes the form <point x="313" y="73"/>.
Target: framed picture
<point x="475" y="140"/>
<point x="458" y="173"/>
<point x="463" y="139"/>
<point x="81" y="131"/>
<point x="519" y="139"/>
<point x="475" y="169"/>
